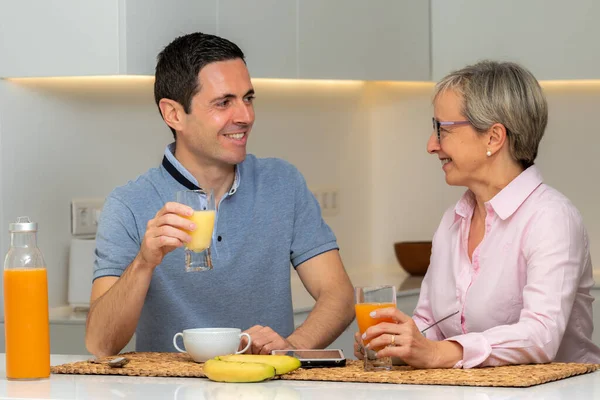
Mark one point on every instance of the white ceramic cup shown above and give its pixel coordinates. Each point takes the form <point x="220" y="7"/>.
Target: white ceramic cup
<point x="202" y="344"/>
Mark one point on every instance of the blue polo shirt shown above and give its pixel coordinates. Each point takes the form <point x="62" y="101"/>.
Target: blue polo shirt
<point x="266" y="221"/>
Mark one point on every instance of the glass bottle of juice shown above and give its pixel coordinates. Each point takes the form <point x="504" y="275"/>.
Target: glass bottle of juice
<point x="26" y="323"/>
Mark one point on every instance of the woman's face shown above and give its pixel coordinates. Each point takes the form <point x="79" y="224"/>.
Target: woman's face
<point x="461" y="149"/>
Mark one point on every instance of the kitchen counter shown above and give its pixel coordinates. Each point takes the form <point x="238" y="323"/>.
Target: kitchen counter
<point x="406" y="285"/>
<point x="67" y="387"/>
<point x="302" y="300"/>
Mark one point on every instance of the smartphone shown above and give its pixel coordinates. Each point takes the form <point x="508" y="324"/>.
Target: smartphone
<point x="315" y="358"/>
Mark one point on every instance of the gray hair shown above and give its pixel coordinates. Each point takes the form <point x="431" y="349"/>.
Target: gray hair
<point x="505" y="93"/>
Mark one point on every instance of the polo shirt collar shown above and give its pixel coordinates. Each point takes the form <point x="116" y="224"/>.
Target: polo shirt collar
<point x="184" y="177"/>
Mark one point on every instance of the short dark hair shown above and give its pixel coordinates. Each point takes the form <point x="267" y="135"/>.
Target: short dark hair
<point x="178" y="66"/>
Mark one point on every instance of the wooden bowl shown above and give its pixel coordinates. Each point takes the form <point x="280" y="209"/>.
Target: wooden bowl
<point x="413" y="256"/>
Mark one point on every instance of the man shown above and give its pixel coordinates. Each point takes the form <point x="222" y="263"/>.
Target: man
<point x="266" y="218"/>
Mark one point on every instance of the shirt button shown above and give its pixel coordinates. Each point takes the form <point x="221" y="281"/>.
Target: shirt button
<point x="219" y="238"/>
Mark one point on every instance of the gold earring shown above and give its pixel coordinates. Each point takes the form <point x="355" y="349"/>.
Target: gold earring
<point x="489" y="153"/>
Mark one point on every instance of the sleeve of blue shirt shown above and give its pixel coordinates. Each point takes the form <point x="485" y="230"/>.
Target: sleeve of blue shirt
<point x="117" y="239"/>
<point x="312" y="236"/>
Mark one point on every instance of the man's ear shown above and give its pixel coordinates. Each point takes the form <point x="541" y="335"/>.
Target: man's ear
<point x="173" y="113"/>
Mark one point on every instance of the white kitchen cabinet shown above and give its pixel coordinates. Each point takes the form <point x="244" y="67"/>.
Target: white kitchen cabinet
<point x="94" y="37"/>
<point x="266" y="31"/>
<point x="67" y="338"/>
<point x="364" y="40"/>
<point x="554" y="39"/>
<point x="333" y="39"/>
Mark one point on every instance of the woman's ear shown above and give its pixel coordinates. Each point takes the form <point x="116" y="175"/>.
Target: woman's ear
<point x="173" y="113"/>
<point x="497" y="137"/>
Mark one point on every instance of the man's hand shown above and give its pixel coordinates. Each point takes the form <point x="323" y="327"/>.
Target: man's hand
<point x="264" y="340"/>
<point x="166" y="232"/>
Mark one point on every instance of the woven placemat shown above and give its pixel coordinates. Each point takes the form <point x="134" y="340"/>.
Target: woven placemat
<point x="140" y="364"/>
<point x="181" y="365"/>
<point x="508" y="376"/>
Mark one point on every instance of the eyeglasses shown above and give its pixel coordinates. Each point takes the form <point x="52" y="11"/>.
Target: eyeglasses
<point x="438" y="124"/>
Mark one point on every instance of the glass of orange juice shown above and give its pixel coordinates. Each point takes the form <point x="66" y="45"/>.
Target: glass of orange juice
<point x="197" y="251"/>
<point x="371" y="298"/>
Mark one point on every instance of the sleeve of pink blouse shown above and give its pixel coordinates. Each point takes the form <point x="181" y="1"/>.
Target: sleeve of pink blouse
<point x="555" y="250"/>
<point x="423" y="315"/>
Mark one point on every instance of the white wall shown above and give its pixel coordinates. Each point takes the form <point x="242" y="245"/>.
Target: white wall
<point x="568" y="155"/>
<point x="409" y="193"/>
<point x="321" y="128"/>
<point x="62" y="139"/>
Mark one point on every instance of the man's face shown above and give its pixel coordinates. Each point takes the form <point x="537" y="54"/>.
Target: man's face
<point x="221" y="114"/>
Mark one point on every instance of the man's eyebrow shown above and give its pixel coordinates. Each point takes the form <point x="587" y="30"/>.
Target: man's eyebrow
<point x="228" y="96"/>
<point x="223" y="97"/>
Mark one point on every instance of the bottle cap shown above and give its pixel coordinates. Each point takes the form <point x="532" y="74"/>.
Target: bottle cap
<point x="23" y="224"/>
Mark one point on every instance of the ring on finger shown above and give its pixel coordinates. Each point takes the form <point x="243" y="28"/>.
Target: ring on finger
<point x="393" y="341"/>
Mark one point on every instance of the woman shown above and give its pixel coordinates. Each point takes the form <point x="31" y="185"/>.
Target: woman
<point x="512" y="256"/>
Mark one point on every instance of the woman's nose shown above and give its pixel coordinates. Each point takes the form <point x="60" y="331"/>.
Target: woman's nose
<point x="433" y="144"/>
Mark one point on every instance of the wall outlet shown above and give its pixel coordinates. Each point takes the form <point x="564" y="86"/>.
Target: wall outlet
<point x="85" y="214"/>
<point x="329" y="200"/>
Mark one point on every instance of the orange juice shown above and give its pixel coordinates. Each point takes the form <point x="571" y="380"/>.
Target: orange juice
<point x="202" y="235"/>
<point x="364" y="320"/>
<point x="26" y="323"/>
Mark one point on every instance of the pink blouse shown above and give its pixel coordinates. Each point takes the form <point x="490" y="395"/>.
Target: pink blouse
<point x="525" y="297"/>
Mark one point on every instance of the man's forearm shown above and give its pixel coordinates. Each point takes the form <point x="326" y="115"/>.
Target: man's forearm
<point x="113" y="317"/>
<point x="331" y="315"/>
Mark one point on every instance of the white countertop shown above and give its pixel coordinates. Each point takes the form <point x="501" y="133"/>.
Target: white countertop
<point x="67" y="387"/>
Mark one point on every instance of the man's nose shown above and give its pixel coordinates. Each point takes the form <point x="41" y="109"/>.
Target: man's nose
<point x="244" y="113"/>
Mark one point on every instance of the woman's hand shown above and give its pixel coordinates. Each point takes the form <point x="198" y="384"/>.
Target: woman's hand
<point x="359" y="352"/>
<point x="403" y="339"/>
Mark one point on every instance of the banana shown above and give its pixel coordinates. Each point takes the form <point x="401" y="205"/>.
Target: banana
<point x="282" y="364"/>
<point x="231" y="371"/>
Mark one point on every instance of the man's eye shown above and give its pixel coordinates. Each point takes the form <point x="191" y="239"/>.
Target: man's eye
<point x="250" y="99"/>
<point x="223" y="103"/>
